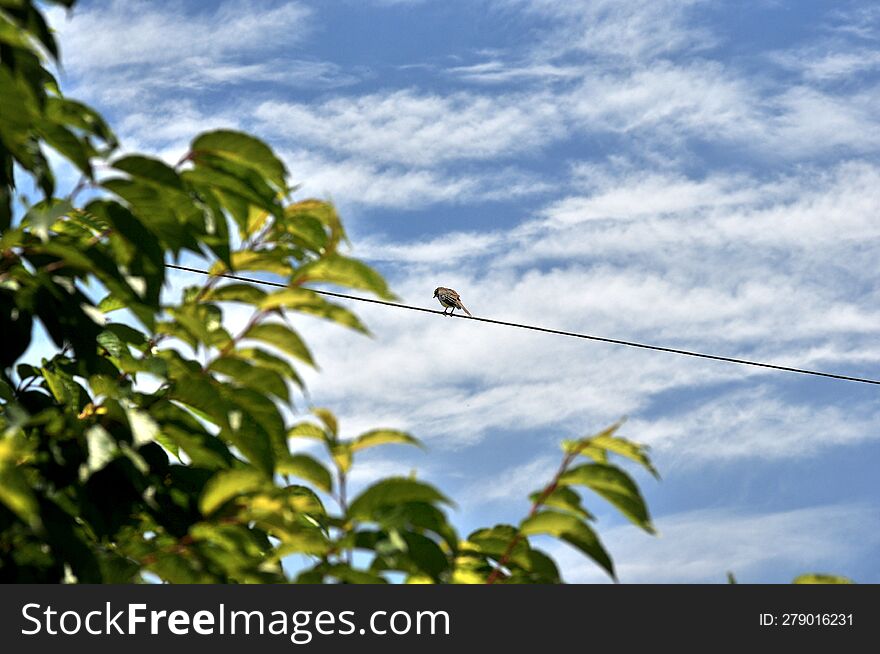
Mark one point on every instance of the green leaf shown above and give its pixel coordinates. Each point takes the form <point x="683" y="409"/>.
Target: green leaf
<point x="494" y="542"/>
<point x="326" y="416"/>
<point x="626" y="448"/>
<point x="301" y="541"/>
<point x="62" y="386"/>
<point x="815" y="578"/>
<point x="200" y="393"/>
<point x="570" y="529"/>
<point x="382" y="437"/>
<point x="614" y="485"/>
<point x="151" y="170"/>
<point x="256" y="427"/>
<point x="15" y="491"/>
<point x="203" y="322"/>
<point x="246" y="293"/>
<point x="74" y="114"/>
<point x="391" y="491"/>
<point x="102" y="448"/>
<point x="272" y="261"/>
<point x="308" y="468"/>
<point x="307" y="220"/>
<point x="6" y="392"/>
<point x="307" y="301"/>
<point x="425" y="554"/>
<point x="112" y="343"/>
<point x="270" y="361"/>
<point x="255" y="377"/>
<point x="243" y="149"/>
<point x="284" y="338"/>
<point x="236" y="188"/>
<point x="565" y="499"/>
<point x="341" y="454"/>
<point x="419" y="516"/>
<point x="16" y="494"/>
<point x="184" y="431"/>
<point x="342" y="271"/>
<point x="542" y="568"/>
<point x="66" y="143"/>
<point x="143" y="428"/>
<point x="348" y="575"/>
<point x="227" y="484"/>
<point x="307" y="430"/>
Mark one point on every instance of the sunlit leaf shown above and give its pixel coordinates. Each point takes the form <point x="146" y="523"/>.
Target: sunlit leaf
<point x="394" y="490"/>
<point x="626" y="448"/>
<point x="284" y="338"/>
<point x="15" y="492"/>
<point x="326" y="416"/>
<point x="571" y="530"/>
<point x="308" y="468"/>
<point x="614" y="485"/>
<point x="342" y="271"/>
<point x="227" y="484"/>
<point x="307" y="430"/>
<point x="255" y="377"/>
<point x="821" y="579"/>
<point x="383" y="437"/>
<point x="152" y="170"/>
<point x="239" y="292"/>
<point x="244" y="149"/>
<point x="341" y="454"/>
<point x="565" y="499"/>
<point x="306" y="301"/>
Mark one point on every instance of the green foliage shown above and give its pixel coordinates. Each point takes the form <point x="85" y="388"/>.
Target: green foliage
<point x="157" y="441"/>
<point x="815" y="578"/>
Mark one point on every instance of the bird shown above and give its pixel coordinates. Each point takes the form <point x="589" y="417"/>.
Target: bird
<point x="449" y="299"/>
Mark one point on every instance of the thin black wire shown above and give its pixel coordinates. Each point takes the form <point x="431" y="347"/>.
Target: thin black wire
<point x="547" y="330"/>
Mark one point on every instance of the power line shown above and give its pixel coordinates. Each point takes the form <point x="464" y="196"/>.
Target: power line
<point x="547" y="330"/>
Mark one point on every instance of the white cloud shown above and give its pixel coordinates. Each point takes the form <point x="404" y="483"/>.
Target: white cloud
<point x="755" y="423"/>
<point x="130" y="53"/>
<point x="637" y="29"/>
<point x="410" y="128"/>
<point x="357" y="181"/>
<point x="702" y="546"/>
<point x="514" y="484"/>
<point x="137" y="33"/>
<point x="495" y="71"/>
<point x="831" y="63"/>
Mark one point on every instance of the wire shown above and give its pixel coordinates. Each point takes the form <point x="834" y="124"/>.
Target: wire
<point x="547" y="330"/>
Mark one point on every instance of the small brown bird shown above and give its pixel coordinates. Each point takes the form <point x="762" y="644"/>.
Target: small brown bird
<point x="449" y="299"/>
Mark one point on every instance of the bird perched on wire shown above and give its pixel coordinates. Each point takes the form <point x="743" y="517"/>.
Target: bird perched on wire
<point x="450" y="300"/>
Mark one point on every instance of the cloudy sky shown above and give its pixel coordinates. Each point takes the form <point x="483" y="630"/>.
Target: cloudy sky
<point x="699" y="174"/>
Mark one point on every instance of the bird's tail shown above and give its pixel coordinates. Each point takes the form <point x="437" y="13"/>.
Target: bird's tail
<point x="463" y="308"/>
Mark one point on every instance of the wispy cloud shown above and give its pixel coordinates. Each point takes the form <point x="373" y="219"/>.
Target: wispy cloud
<point x="114" y="33"/>
<point x="763" y="547"/>
<point x="142" y="49"/>
<point x="756" y="423"/>
<point x="635" y="30"/>
<point x="411" y="128"/>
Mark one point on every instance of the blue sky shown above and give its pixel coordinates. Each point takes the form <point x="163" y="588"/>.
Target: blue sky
<point x="693" y="173"/>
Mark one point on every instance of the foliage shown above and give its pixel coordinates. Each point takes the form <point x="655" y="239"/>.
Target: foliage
<point x="158" y="441"/>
